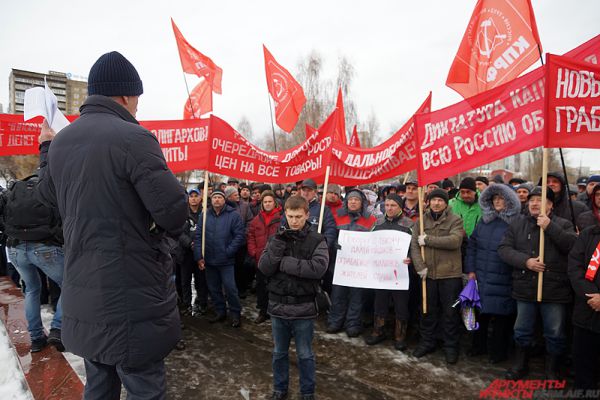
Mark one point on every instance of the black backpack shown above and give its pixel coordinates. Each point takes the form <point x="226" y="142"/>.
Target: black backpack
<point x="26" y="218"/>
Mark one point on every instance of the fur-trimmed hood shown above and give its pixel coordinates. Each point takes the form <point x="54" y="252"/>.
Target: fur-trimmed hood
<point x="513" y="205"/>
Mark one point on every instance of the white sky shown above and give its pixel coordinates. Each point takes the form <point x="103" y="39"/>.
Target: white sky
<point x="400" y="49"/>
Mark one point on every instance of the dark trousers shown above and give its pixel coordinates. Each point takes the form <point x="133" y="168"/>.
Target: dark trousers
<point x="262" y="295"/>
<point x="243" y="274"/>
<point x="189" y="269"/>
<point x="586" y="356"/>
<point x="441" y="295"/>
<point x="400" y="300"/>
<point x="144" y="383"/>
<point x="494" y="335"/>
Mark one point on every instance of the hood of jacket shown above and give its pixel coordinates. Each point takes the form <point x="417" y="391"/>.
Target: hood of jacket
<point x="513" y="205"/>
<point x="365" y="202"/>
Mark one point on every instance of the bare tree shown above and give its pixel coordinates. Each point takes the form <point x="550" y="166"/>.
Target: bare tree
<point x="346" y="73"/>
<point x="370" y="133"/>
<point x="245" y="128"/>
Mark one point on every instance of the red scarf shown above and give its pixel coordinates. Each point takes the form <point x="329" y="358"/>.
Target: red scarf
<point x="269" y="216"/>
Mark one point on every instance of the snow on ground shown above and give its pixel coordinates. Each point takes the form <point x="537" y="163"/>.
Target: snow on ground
<point x="12" y="380"/>
<point x="76" y="362"/>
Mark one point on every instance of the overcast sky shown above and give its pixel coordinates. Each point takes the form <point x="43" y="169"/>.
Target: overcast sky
<point x="400" y="49"/>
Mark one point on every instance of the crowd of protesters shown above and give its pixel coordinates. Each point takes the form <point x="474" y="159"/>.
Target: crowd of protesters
<point x="484" y="229"/>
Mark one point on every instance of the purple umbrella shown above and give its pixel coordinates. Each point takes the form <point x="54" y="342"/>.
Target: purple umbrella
<point x="469" y="300"/>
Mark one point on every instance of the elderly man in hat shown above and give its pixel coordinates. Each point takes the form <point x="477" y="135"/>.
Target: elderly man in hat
<point x="118" y="201"/>
<point x="442" y="268"/>
<point x="520" y="249"/>
<point x="225" y="235"/>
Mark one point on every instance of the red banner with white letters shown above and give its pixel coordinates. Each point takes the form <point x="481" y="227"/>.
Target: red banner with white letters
<point x="233" y="155"/>
<point x="573" y="94"/>
<point x="397" y="155"/>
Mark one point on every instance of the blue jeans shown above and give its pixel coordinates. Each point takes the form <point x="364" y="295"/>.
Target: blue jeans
<point x="302" y="330"/>
<point x="217" y="278"/>
<point x="27" y="257"/>
<point x="554" y="316"/>
<point x="346" y="307"/>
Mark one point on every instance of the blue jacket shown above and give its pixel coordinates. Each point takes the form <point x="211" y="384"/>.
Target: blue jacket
<point x="494" y="277"/>
<point x="225" y="235"/>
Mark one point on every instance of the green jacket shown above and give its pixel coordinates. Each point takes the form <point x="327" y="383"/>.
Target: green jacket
<point x="442" y="246"/>
<point x="470" y="213"/>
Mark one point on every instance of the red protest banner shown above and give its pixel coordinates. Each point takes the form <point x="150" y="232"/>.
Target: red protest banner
<point x="18" y="138"/>
<point x="233" y="155"/>
<point x="573" y="94"/>
<point x="501" y="41"/>
<point x="184" y="143"/>
<point x="397" y="155"/>
<point x="492" y="125"/>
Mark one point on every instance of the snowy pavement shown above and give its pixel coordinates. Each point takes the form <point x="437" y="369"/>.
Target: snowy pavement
<point x="13" y="385"/>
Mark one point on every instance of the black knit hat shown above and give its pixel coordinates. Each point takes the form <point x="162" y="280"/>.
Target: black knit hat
<point x="483" y="179"/>
<point x="396" y="198"/>
<point x="113" y="75"/>
<point x="441" y="193"/>
<point x="468" y="183"/>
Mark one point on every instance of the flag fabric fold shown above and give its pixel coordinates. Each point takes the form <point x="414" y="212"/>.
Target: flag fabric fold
<point x="199" y="101"/>
<point x="354" y="140"/>
<point x="501" y="41"/>
<point x="286" y="93"/>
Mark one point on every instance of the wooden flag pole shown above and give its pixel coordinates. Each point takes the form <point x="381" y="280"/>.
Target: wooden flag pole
<point x="422" y="230"/>
<point x="204" y="208"/>
<point x="323" y="200"/>
<point x="543" y="212"/>
<point x="406" y="177"/>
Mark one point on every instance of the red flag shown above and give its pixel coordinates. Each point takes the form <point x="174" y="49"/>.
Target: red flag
<point x="286" y="92"/>
<point x="200" y="99"/>
<point x="340" y="132"/>
<point x="194" y="62"/>
<point x="354" y="140"/>
<point x="572" y="94"/>
<point x="501" y="41"/>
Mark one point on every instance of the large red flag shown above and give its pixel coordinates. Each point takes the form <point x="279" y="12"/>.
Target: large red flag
<point x="501" y="41"/>
<point x="286" y="92"/>
<point x="194" y="62"/>
<point x="573" y="103"/>
<point x="200" y="99"/>
<point x="340" y="132"/>
<point x="354" y="140"/>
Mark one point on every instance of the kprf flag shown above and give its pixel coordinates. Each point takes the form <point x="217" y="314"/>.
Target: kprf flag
<point x="199" y="101"/>
<point x="573" y="108"/>
<point x="501" y="41"/>
<point x="340" y="132"/>
<point x="354" y="140"/>
<point x="285" y="91"/>
<point x="194" y="62"/>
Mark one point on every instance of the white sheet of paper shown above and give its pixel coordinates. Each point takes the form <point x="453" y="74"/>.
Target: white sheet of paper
<point x="372" y="260"/>
<point x="41" y="102"/>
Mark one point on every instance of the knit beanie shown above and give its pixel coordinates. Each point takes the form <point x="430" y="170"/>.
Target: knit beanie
<point x="447" y="184"/>
<point x="229" y="190"/>
<point x="396" y="198"/>
<point x="483" y="179"/>
<point x="468" y="183"/>
<point x="113" y="75"/>
<point x="441" y="193"/>
<point x="217" y="193"/>
<point x="355" y="193"/>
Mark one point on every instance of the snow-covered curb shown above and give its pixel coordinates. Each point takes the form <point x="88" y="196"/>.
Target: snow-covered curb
<point x="13" y="385"/>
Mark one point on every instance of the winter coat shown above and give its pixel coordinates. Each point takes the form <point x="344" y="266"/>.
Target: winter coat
<point x="585" y="199"/>
<point x="588" y="218"/>
<point x="334" y="206"/>
<point x="494" y="276"/>
<point x="470" y="213"/>
<point x="259" y="232"/>
<point x="294" y="262"/>
<point x="442" y="251"/>
<point x="184" y="244"/>
<point x="579" y="258"/>
<point x="361" y="221"/>
<point x="225" y="235"/>
<point x="243" y="208"/>
<point x="522" y="241"/>
<point x="117" y="199"/>
<point x="561" y="206"/>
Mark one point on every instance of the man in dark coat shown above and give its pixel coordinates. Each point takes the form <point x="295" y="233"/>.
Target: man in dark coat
<point x="117" y="200"/>
<point x="225" y="235"/>
<point x="583" y="272"/>
<point x="562" y="208"/>
<point x="590" y="218"/>
<point x="295" y="260"/>
<point x="520" y="249"/>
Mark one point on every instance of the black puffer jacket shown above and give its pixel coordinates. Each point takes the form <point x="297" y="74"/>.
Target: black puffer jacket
<point x="295" y="261"/>
<point x="584" y="316"/>
<point x="117" y="198"/>
<point x="522" y="242"/>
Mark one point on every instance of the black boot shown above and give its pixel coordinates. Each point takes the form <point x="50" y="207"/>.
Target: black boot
<point x="377" y="336"/>
<point x="552" y="367"/>
<point x="521" y="366"/>
<point x="400" y="335"/>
